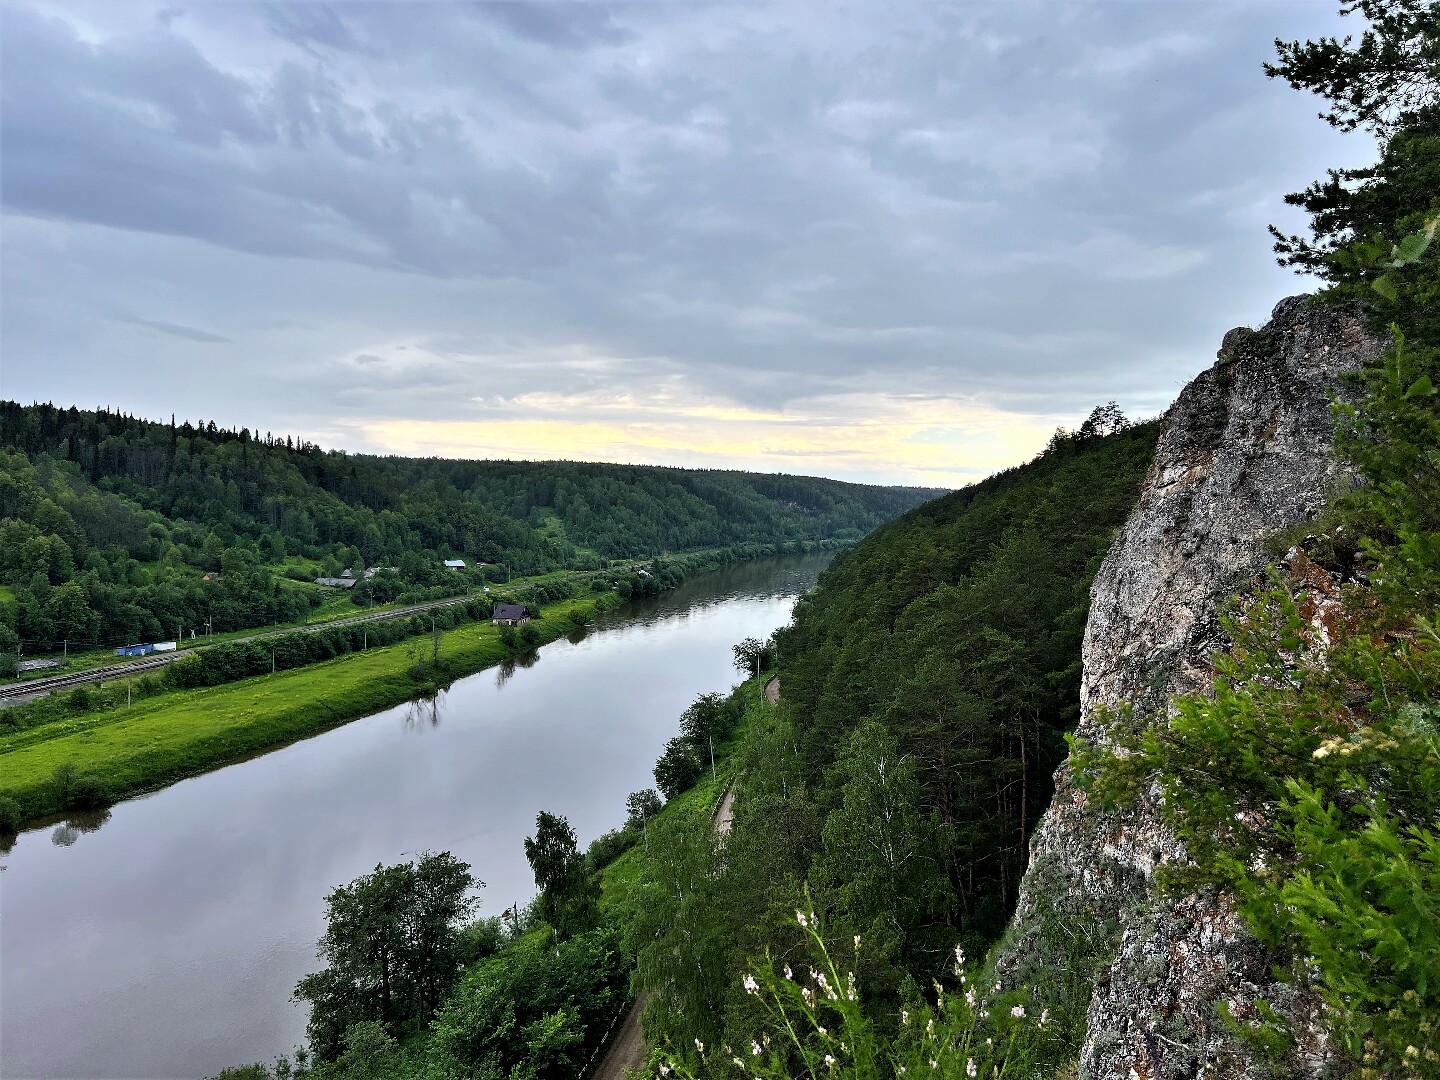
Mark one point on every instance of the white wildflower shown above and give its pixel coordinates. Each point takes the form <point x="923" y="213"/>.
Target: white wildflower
<point x="809" y="995"/>
<point x="754" y="1049"/>
<point x="970" y="1069"/>
<point x="788" y="973"/>
<point x="739" y="1063"/>
<point x="970" y="997"/>
<point x="930" y="1027"/>
<point x="934" y="1064"/>
<point x="699" y="1046"/>
<point x="664" y="1070"/>
<point x="1018" y="1011"/>
<point x="997" y="986"/>
<point x="800" y="918"/>
<point x="830" y="1060"/>
<point x="821" y="1030"/>
<point x="850" y="985"/>
<point x="857" y="942"/>
<point x="750" y="985"/>
<point x="904" y="1016"/>
<point x="1044" y="1017"/>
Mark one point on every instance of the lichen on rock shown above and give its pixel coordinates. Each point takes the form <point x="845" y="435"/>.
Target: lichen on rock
<point x="1245" y="451"/>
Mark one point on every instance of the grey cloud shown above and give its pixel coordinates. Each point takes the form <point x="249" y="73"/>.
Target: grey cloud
<point x="1040" y="204"/>
<point x="188" y="333"/>
<point x="561" y="25"/>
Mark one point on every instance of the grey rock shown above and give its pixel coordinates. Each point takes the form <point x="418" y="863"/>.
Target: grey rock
<point x="1245" y="451"/>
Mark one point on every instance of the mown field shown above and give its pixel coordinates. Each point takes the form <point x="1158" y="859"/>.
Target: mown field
<point x="159" y="740"/>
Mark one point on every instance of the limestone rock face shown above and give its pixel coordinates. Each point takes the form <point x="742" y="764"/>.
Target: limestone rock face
<point x="1244" y="452"/>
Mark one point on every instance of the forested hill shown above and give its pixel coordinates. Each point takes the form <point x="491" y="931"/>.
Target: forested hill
<point x="132" y="514"/>
<point x="926" y="685"/>
<point x="482" y="508"/>
<point x="958" y="628"/>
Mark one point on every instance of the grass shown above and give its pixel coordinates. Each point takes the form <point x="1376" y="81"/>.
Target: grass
<point x="160" y="740"/>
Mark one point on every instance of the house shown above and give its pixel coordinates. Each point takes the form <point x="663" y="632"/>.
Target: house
<point x="371" y="571"/>
<point x="348" y="574"/>
<point x="135" y="650"/>
<point x="510" y="615"/>
<point x="336" y="582"/>
<point x="454" y="564"/>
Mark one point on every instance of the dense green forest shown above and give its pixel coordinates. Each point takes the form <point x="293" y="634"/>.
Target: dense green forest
<point x="928" y="682"/>
<point x="116" y="529"/>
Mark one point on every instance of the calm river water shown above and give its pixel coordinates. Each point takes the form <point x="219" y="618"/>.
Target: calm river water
<point x="164" y="940"/>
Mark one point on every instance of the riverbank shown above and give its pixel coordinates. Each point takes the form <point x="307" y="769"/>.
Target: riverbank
<point x="158" y="741"/>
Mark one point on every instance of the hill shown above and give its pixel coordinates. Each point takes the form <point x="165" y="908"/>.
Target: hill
<point x="114" y="528"/>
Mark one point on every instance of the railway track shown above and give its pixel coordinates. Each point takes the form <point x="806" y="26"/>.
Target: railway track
<point x="13" y="693"/>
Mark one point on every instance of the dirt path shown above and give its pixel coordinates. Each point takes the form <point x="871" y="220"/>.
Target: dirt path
<point x="628" y="1049"/>
<point x="726" y="813"/>
<point x="772" y="691"/>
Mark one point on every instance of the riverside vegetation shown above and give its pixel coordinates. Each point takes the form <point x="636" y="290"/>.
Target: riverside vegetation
<point x="81" y="750"/>
<point x="882" y="808"/>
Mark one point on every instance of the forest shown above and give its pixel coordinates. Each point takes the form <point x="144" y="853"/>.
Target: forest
<point x="115" y="529"/>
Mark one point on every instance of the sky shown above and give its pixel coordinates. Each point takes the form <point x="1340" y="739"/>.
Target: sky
<point x="885" y="242"/>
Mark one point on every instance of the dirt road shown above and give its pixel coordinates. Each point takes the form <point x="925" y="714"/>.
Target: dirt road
<point x="628" y="1049"/>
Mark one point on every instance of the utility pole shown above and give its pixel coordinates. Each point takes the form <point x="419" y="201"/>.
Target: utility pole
<point x="65" y="648"/>
<point x="272" y="661"/>
<point x="712" y="757"/>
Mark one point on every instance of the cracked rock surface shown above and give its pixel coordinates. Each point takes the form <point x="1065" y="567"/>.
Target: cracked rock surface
<point x="1245" y="451"/>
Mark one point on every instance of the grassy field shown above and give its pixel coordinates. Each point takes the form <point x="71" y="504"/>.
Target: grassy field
<point x="157" y="741"/>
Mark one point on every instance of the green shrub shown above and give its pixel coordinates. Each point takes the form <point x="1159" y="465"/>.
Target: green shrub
<point x="9" y="816"/>
<point x="89" y="793"/>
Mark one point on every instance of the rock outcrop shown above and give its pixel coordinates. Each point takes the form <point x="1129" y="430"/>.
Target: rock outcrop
<point x="1245" y="451"/>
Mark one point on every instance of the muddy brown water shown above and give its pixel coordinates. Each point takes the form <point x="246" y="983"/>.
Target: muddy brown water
<point x="162" y="939"/>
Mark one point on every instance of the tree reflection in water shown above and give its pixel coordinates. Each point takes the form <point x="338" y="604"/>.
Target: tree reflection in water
<point x="77" y="824"/>
<point x="506" y="668"/>
<point x="424" y="711"/>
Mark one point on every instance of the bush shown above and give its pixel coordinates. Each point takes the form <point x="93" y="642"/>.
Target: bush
<point x="80" y="699"/>
<point x="9" y="816"/>
<point x="607" y="847"/>
<point x="678" y="768"/>
<point x="89" y="793"/>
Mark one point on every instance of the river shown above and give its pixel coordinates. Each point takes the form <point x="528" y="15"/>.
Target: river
<point x="162" y="939"/>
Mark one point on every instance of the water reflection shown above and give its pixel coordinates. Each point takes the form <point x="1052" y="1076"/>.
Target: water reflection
<point x="424" y="711"/>
<point x="505" y="670"/>
<point x="78" y="824"/>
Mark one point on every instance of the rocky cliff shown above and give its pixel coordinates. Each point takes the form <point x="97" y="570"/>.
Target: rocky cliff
<point x="1244" y="452"/>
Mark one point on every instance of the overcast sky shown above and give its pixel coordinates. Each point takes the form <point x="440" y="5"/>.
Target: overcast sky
<point x="886" y="242"/>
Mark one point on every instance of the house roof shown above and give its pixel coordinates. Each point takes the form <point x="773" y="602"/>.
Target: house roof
<point x="510" y="611"/>
<point x="454" y="562"/>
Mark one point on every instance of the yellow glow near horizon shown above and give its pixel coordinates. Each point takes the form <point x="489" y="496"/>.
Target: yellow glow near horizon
<point x="873" y="438"/>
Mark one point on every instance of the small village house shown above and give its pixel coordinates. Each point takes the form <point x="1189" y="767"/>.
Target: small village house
<point x="510" y="615"/>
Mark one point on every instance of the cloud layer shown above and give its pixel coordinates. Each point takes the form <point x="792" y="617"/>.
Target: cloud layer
<point x="881" y="241"/>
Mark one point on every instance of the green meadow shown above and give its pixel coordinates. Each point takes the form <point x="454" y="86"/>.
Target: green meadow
<point x="159" y="740"/>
